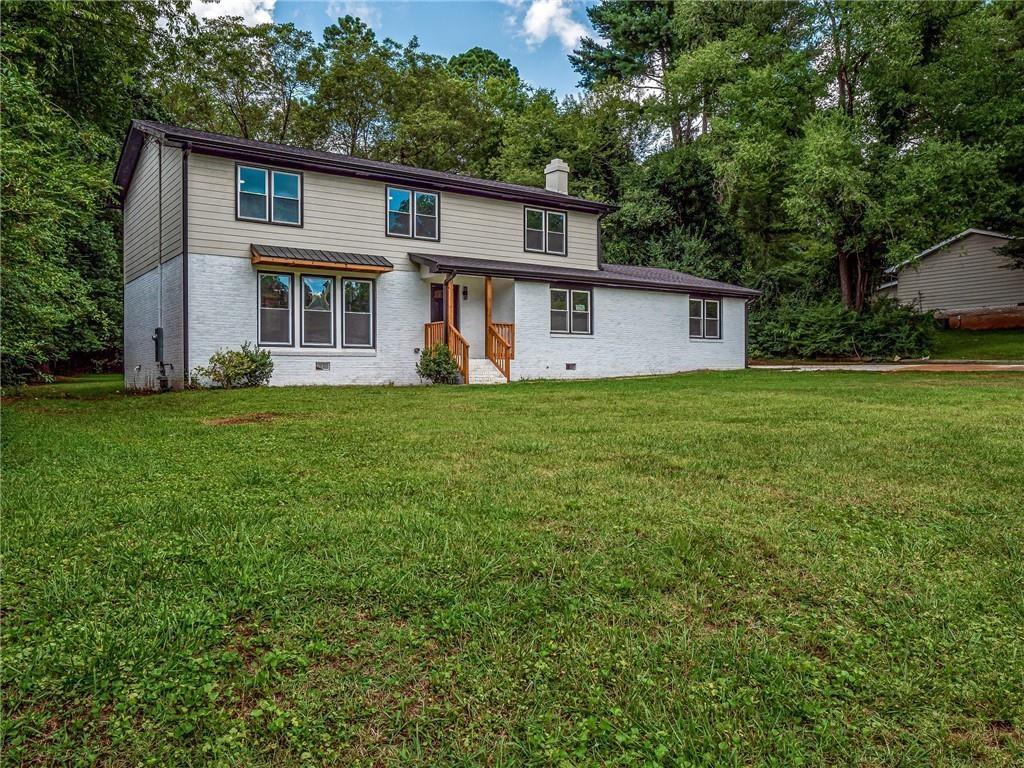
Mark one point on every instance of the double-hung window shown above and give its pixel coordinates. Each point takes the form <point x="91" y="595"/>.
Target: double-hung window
<point x="271" y="196"/>
<point x="544" y="231"/>
<point x="317" y="311"/>
<point x="275" y="311"/>
<point x="705" y="319"/>
<point x="570" y="310"/>
<point x="413" y="214"/>
<point x="357" y="313"/>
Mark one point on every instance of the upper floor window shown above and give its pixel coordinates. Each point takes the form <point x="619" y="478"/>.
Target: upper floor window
<point x="705" y="321"/>
<point x="413" y="214"/>
<point x="271" y="196"/>
<point x="545" y="231"/>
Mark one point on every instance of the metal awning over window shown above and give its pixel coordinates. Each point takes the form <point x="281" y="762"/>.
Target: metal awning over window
<point x="276" y="255"/>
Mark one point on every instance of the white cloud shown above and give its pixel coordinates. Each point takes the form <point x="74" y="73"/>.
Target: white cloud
<point x="547" y="18"/>
<point x="369" y="13"/>
<point x="253" y="11"/>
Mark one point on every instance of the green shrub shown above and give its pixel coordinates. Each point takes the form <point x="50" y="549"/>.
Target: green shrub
<point x="794" y="328"/>
<point x="438" y="366"/>
<point x="233" y="368"/>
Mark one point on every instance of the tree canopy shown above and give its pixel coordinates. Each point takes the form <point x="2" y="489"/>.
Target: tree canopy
<point x="795" y="145"/>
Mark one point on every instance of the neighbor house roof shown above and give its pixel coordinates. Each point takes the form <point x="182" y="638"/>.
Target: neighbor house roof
<point x="610" y="275"/>
<point x="939" y="246"/>
<point x="311" y="257"/>
<point x="332" y="162"/>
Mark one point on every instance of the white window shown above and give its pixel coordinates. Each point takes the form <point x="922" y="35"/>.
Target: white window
<point x="570" y="310"/>
<point x="413" y="214"/>
<point x="544" y="231"/>
<point x="275" y="309"/>
<point x="271" y="196"/>
<point x="357" y="324"/>
<point x="705" y="319"/>
<point x="317" y="311"/>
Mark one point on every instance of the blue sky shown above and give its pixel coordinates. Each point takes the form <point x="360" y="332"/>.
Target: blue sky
<point x="536" y="35"/>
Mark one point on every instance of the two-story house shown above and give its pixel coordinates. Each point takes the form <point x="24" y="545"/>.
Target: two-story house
<point x="346" y="268"/>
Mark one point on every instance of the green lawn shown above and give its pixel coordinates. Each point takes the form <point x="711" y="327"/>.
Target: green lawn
<point x="742" y="568"/>
<point x="959" y="344"/>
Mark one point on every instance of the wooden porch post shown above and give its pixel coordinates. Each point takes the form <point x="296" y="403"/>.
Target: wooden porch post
<point x="488" y="302"/>
<point x="449" y="304"/>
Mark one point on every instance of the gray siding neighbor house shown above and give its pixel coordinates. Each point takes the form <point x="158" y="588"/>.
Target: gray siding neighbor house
<point x="346" y="268"/>
<point x="963" y="274"/>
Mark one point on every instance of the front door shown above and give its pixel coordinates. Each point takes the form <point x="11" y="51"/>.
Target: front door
<point x="437" y="304"/>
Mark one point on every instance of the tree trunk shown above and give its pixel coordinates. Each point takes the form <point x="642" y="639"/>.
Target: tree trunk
<point x="846" y="286"/>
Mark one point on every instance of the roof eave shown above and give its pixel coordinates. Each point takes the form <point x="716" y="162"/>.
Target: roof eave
<point x="523" y="272"/>
<point x="294" y="159"/>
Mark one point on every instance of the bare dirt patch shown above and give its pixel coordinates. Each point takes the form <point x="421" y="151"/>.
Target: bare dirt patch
<point x="246" y="418"/>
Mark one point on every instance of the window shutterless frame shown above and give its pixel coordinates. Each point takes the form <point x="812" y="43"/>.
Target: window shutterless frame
<point x="372" y="313"/>
<point x="704" y="318"/>
<point x="571" y="297"/>
<point x="413" y="212"/>
<point x="259" y="310"/>
<point x="546" y="216"/>
<point x="332" y="311"/>
<point x="268" y="193"/>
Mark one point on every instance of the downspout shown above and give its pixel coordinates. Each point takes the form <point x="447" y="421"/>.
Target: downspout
<point x="158" y="337"/>
<point x="746" y="330"/>
<point x="186" y="149"/>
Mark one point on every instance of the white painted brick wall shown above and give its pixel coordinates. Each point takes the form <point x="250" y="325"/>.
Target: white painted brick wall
<point x="142" y="316"/>
<point x="223" y="310"/>
<point x="635" y="332"/>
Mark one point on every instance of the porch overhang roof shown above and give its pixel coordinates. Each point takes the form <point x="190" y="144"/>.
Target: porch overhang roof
<point x="608" y="275"/>
<point x="310" y="257"/>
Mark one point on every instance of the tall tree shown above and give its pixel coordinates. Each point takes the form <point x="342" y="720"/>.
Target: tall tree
<point x="234" y="78"/>
<point x="353" y="78"/>
<point x="640" y="46"/>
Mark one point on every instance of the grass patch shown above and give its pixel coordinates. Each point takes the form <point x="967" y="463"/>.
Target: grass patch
<point x="738" y="568"/>
<point x="960" y="344"/>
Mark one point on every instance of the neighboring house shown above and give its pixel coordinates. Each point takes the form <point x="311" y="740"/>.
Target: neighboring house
<point x="964" y="274"/>
<point x="345" y="268"/>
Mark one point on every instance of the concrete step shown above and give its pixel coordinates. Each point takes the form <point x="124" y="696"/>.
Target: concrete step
<point x="482" y="371"/>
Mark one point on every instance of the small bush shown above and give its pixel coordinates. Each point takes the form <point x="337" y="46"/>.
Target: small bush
<point x="438" y="366"/>
<point x="801" y="329"/>
<point x="233" y="368"/>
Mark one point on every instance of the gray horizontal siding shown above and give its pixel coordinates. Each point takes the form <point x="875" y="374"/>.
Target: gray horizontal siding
<point x="347" y="214"/>
<point x="967" y="274"/>
<point x="152" y="217"/>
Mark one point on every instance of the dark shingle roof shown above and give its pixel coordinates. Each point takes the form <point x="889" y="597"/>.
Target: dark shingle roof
<point x="611" y="275"/>
<point x="332" y="162"/>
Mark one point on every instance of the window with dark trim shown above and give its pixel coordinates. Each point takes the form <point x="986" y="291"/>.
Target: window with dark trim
<point x="544" y="231"/>
<point x="270" y="196"/>
<point x="412" y="213"/>
<point x="275" y="310"/>
<point x="357" y="321"/>
<point x="571" y="310"/>
<point x="317" y="311"/>
<point x="705" y="319"/>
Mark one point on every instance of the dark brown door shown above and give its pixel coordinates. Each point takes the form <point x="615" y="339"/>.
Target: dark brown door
<point x="437" y="303"/>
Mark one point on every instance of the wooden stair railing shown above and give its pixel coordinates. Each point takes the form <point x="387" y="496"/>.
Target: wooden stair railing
<point x="499" y="351"/>
<point x="507" y="331"/>
<point x="459" y="348"/>
<point x="434" y="334"/>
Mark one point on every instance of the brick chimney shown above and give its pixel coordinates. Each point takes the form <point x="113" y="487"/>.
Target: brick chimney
<point x="556" y="176"/>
